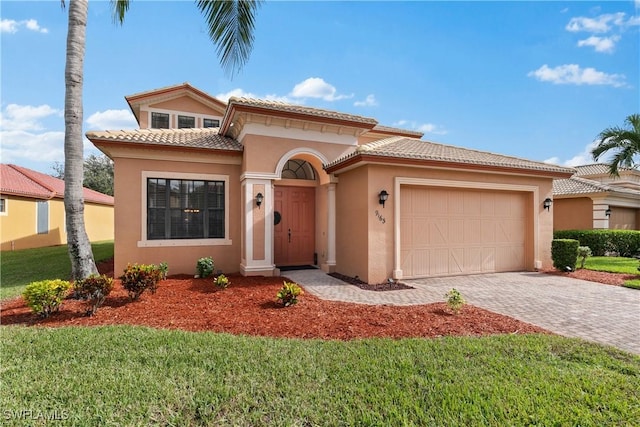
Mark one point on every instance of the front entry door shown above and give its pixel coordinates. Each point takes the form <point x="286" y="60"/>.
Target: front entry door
<point x="294" y="225"/>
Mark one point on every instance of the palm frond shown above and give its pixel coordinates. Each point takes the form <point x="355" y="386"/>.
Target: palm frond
<point x="231" y="27"/>
<point x="120" y="8"/>
<point x="625" y="142"/>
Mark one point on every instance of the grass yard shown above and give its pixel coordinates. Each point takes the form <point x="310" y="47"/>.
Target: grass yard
<point x="19" y="268"/>
<point x="616" y="265"/>
<point x="124" y="375"/>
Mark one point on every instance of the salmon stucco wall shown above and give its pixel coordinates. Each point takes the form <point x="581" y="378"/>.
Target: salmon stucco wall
<point x="182" y="257"/>
<point x="572" y="214"/>
<point x="365" y="227"/>
<point x="18" y="228"/>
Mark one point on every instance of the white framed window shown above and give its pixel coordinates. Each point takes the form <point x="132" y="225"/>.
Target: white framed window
<point x="210" y="123"/>
<point x="159" y="120"/>
<point x="186" y="122"/>
<point x="184" y="209"/>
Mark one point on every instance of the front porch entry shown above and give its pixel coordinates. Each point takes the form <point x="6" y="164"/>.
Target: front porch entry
<point x="294" y="226"/>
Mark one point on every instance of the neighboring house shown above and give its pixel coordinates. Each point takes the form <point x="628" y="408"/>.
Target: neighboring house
<point x="32" y="210"/>
<point x="271" y="184"/>
<point x="593" y="199"/>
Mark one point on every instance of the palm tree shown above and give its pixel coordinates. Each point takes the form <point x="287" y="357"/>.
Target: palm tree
<point x="231" y="25"/>
<point x="626" y="143"/>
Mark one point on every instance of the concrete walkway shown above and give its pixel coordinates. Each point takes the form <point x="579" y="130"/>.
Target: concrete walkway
<point x="570" y="307"/>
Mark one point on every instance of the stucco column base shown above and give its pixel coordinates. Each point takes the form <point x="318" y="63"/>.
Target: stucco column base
<point x="267" y="271"/>
<point x="397" y="274"/>
<point x="328" y="268"/>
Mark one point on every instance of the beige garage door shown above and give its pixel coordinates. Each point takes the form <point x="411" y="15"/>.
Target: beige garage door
<point x="622" y="218"/>
<point x="455" y="231"/>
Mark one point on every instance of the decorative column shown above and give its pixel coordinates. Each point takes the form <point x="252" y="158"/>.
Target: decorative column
<point x="257" y="230"/>
<point x="600" y="219"/>
<point x="330" y="265"/>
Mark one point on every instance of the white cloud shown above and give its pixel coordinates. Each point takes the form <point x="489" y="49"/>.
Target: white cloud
<point x="600" y="44"/>
<point x="112" y="119"/>
<point x="573" y="74"/>
<point x="315" y="87"/>
<point x="420" y="127"/>
<point x="238" y="93"/>
<point x="25" y="117"/>
<point x="599" y="24"/>
<point x="12" y="26"/>
<point x="369" y="101"/>
<point x="582" y="158"/>
<point x="20" y="145"/>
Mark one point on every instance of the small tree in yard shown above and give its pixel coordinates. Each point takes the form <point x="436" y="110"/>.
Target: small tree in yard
<point x="583" y="253"/>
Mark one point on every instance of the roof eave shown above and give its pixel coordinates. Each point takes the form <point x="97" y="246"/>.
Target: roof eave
<point x="99" y="143"/>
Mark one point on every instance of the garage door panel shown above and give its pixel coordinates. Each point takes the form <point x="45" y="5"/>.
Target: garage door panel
<point x="461" y="231"/>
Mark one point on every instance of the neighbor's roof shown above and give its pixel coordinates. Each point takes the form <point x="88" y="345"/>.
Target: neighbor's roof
<point x="298" y="110"/>
<point x="578" y="185"/>
<point x="598" y="169"/>
<point x="207" y="138"/>
<point x="402" y="148"/>
<point x="25" y="182"/>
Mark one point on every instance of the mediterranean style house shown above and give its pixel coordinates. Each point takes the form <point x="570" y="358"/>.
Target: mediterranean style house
<point x="258" y="185"/>
<point x="593" y="199"/>
<point x="32" y="210"/>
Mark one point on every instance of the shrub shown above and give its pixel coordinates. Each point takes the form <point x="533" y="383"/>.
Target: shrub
<point x="93" y="289"/>
<point x="455" y="300"/>
<point x="564" y="253"/>
<point x="288" y="294"/>
<point x="137" y="278"/>
<point x="623" y="242"/>
<point x="221" y="281"/>
<point x="164" y="269"/>
<point x="45" y="297"/>
<point x="204" y="267"/>
<point x="584" y="252"/>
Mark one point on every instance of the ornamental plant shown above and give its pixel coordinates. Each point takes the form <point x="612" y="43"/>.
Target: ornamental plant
<point x="455" y="300"/>
<point x="138" y="278"/>
<point x="164" y="269"/>
<point x="583" y="253"/>
<point x="221" y="281"/>
<point x="93" y="289"/>
<point x="288" y="294"/>
<point x="45" y="297"/>
<point x="204" y="267"/>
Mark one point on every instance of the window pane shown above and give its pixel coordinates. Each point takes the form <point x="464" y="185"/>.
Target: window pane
<point x="186" y="122"/>
<point x="160" y="120"/>
<point x="210" y="123"/>
<point x="3" y="206"/>
<point x="43" y="217"/>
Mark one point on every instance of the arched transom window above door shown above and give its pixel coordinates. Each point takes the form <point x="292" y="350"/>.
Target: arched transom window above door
<point x="298" y="169"/>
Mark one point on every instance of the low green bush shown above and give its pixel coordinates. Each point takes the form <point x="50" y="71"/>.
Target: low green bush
<point x="625" y="243"/>
<point x="288" y="294"/>
<point x="138" y="278"/>
<point x="584" y="252"/>
<point x="45" y="297"/>
<point x="455" y="301"/>
<point x="221" y="281"/>
<point x="93" y="289"/>
<point x="204" y="267"/>
<point x="564" y="253"/>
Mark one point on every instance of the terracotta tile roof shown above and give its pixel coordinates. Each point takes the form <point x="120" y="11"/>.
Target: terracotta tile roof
<point x="299" y="109"/>
<point x="597" y="169"/>
<point x="578" y="185"/>
<point x="191" y="138"/>
<point x="411" y="148"/>
<point x="21" y="181"/>
<point x="399" y="131"/>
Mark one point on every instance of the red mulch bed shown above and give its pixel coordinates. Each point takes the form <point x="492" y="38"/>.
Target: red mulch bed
<point x="616" y="279"/>
<point x="248" y="307"/>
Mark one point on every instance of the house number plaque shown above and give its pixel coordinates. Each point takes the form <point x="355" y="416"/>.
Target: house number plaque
<point x="380" y="217"/>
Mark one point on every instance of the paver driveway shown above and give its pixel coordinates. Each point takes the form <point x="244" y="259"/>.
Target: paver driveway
<point x="570" y="307"/>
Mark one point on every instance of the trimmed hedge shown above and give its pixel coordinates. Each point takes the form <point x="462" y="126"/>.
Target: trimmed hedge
<point x="564" y="253"/>
<point x="625" y="243"/>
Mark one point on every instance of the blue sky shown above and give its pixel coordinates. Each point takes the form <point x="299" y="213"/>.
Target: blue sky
<point x="537" y="80"/>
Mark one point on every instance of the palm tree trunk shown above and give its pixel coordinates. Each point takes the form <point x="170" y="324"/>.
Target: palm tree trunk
<point x="82" y="262"/>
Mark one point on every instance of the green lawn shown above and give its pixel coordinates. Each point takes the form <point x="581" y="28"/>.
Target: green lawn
<point x="19" y="268"/>
<point x="123" y="375"/>
<point x="615" y="265"/>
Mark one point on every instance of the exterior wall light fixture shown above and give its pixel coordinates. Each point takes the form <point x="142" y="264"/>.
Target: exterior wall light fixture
<point x="547" y="203"/>
<point x="259" y="199"/>
<point x="608" y="212"/>
<point x="383" y="197"/>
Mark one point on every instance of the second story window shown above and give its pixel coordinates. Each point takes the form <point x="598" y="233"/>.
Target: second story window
<point x="186" y="122"/>
<point x="210" y="123"/>
<point x="160" y="120"/>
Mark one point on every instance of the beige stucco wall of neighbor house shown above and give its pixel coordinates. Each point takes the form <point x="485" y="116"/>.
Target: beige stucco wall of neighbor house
<point x="18" y="228"/>
<point x="573" y="214"/>
<point x="182" y="258"/>
<point x="98" y="220"/>
<point x="623" y="218"/>
<point x="365" y="227"/>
